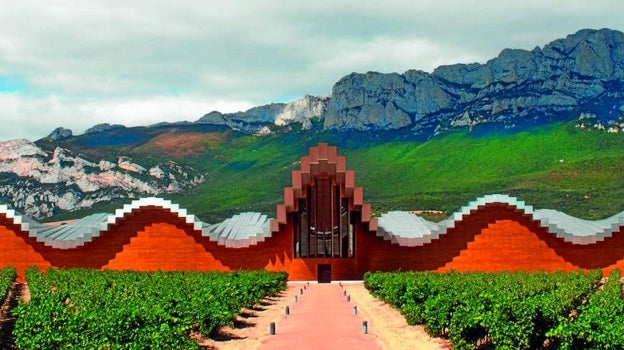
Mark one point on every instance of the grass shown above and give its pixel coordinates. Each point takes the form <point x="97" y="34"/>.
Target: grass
<point x="556" y="166"/>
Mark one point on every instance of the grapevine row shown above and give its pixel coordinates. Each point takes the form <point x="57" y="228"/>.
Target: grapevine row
<point x="7" y="277"/>
<point x="600" y="322"/>
<point x="516" y="310"/>
<point x="80" y="308"/>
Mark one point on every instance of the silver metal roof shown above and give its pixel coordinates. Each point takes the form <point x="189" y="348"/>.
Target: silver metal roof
<point x="239" y="231"/>
<point x="247" y="229"/>
<point x="408" y="229"/>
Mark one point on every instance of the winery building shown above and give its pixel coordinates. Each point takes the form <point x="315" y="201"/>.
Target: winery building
<point x="324" y="230"/>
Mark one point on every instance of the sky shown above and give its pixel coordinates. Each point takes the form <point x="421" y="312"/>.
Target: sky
<point x="79" y="63"/>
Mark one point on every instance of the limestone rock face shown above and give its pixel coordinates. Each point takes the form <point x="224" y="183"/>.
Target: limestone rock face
<point x="59" y="133"/>
<point x="256" y="119"/>
<point x="39" y="184"/>
<point x="302" y="111"/>
<point x="103" y="127"/>
<point x="583" y="71"/>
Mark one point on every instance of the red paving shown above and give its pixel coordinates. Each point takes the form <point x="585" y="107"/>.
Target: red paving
<point x="321" y="319"/>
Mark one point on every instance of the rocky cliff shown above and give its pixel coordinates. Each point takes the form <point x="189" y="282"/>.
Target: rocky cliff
<point x="583" y="73"/>
<point x="39" y="184"/>
<point x="256" y="119"/>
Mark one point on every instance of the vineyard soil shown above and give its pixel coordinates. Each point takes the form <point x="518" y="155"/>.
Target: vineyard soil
<point x="7" y="320"/>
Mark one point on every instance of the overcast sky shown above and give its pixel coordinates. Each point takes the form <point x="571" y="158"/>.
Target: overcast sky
<point x="79" y="63"/>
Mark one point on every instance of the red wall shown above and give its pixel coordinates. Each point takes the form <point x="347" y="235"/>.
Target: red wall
<point x="17" y="251"/>
<point x="492" y="239"/>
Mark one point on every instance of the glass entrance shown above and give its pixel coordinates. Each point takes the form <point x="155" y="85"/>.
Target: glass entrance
<point x="323" y="225"/>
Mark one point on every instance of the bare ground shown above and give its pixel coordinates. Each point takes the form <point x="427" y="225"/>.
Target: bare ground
<point x="7" y="319"/>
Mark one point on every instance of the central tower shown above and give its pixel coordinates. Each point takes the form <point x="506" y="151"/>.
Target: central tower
<point x="323" y="209"/>
<point x="323" y="223"/>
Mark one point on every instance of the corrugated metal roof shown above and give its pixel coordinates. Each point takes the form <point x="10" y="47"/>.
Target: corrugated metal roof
<point x="408" y="229"/>
<point x="247" y="229"/>
<point x="241" y="230"/>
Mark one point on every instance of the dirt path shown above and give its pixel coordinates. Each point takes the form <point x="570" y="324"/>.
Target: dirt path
<point x="387" y="329"/>
<point x="388" y="325"/>
<point x="252" y="326"/>
<point x="7" y="320"/>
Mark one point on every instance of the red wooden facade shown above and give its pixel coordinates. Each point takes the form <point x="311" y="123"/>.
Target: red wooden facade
<point x="496" y="237"/>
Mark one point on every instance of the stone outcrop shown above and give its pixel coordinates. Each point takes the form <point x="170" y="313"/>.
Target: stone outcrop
<point x="59" y="134"/>
<point x="39" y="184"/>
<point x="582" y="73"/>
<point x="254" y="120"/>
<point x="99" y="128"/>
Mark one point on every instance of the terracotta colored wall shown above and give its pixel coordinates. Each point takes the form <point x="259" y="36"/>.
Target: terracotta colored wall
<point x="163" y="246"/>
<point x="493" y="239"/>
<point x="16" y="251"/>
<point x="507" y="245"/>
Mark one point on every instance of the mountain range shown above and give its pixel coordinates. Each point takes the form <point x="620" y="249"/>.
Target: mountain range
<point x="577" y="80"/>
<point x="583" y="72"/>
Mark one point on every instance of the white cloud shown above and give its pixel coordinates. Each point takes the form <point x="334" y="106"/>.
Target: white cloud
<point x="133" y="61"/>
<point x="34" y="117"/>
<point x="391" y="55"/>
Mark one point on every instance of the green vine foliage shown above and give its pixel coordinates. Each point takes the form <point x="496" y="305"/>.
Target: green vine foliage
<point x="90" y="309"/>
<point x="600" y="322"/>
<point x="7" y="277"/>
<point x="518" y="310"/>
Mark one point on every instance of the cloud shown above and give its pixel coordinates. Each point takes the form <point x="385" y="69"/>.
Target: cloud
<point x="50" y="112"/>
<point x="118" y="60"/>
<point x="388" y="54"/>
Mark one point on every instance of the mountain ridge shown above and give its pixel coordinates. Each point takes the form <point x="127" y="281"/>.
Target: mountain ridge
<point x="568" y="74"/>
<point x="581" y="73"/>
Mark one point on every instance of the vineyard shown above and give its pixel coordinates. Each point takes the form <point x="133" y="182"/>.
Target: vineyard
<point x="7" y="276"/>
<point x="516" y="310"/>
<point x="90" y="309"/>
<point x="81" y="308"/>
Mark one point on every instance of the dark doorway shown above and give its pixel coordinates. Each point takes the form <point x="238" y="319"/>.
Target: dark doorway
<point x="324" y="272"/>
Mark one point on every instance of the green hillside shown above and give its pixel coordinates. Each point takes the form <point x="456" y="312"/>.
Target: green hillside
<point x="558" y="166"/>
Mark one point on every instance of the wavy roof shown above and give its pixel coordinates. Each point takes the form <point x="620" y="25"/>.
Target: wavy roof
<point x="407" y="229"/>
<point x="246" y="229"/>
<point x="239" y="231"/>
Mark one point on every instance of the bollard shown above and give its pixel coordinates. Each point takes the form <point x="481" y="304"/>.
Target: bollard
<point x="305" y="287"/>
<point x="272" y="328"/>
<point x="287" y="310"/>
<point x="308" y="283"/>
<point x="344" y="293"/>
<point x="349" y="298"/>
<point x="301" y="291"/>
<point x="296" y="299"/>
<point x="364" y="327"/>
<point x="354" y="309"/>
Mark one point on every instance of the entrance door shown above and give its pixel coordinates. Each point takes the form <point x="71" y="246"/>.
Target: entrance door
<point x="324" y="273"/>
